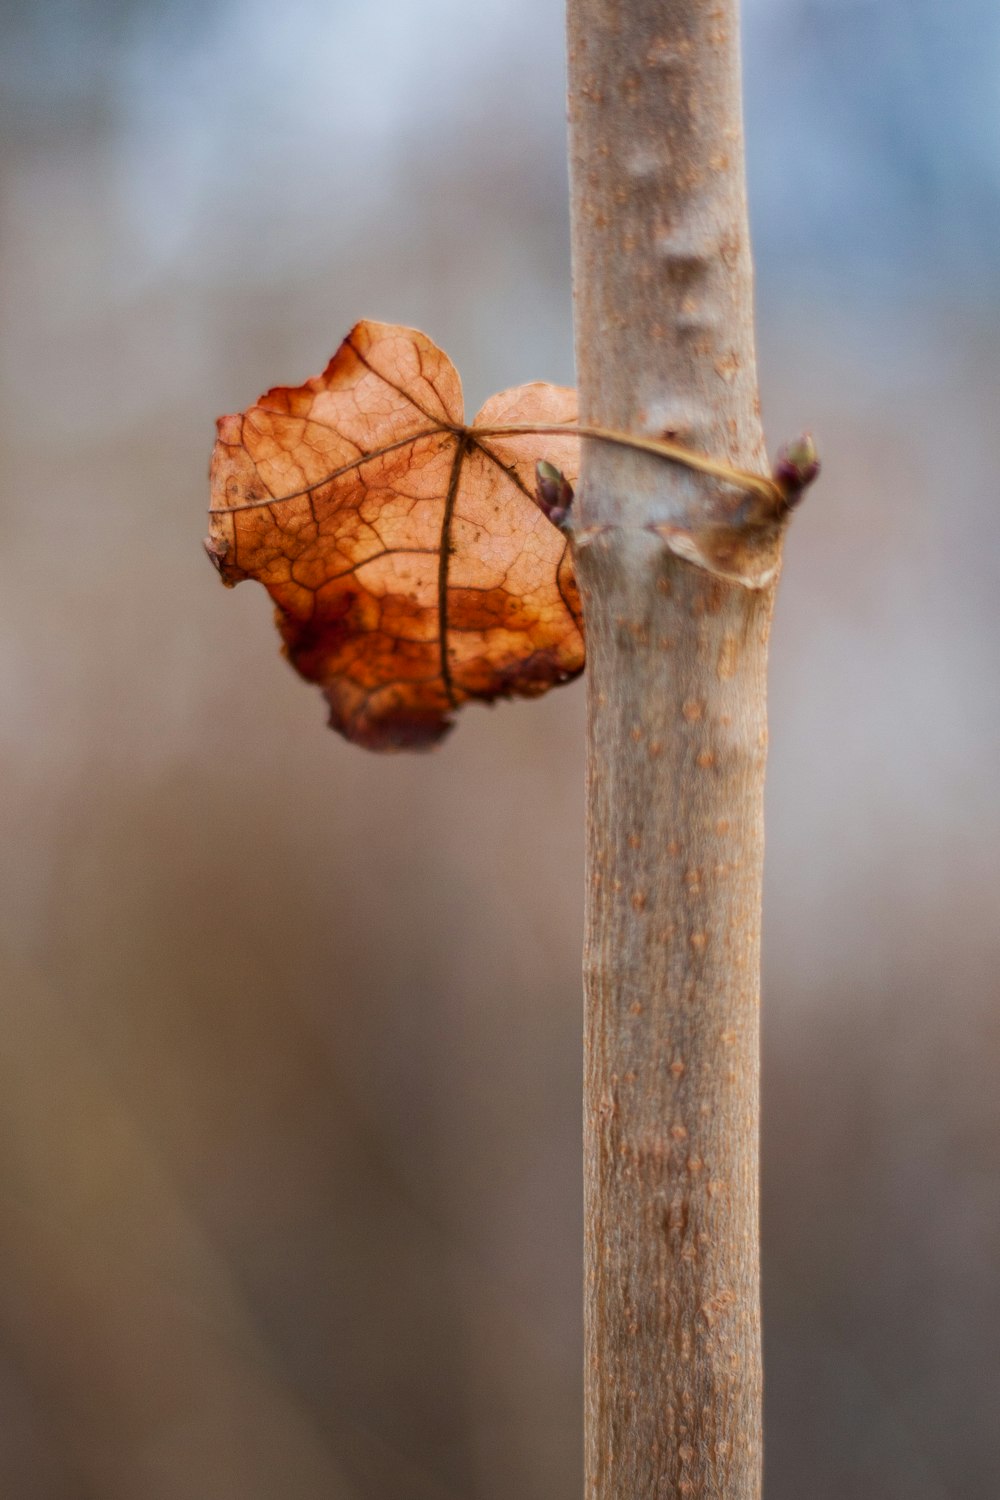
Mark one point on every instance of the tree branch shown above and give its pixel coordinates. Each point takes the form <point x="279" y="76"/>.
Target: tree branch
<point x="676" y="747"/>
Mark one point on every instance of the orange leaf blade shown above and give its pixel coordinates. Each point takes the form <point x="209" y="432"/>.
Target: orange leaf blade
<point x="410" y="567"/>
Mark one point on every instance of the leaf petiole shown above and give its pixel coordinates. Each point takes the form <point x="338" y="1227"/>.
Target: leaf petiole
<point x="659" y="447"/>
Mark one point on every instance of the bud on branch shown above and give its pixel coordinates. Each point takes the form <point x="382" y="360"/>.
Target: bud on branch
<point x="554" y="494"/>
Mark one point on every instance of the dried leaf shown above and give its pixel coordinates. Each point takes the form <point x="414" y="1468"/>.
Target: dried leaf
<point x="410" y="564"/>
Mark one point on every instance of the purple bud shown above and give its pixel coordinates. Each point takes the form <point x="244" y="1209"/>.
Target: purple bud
<point x="796" y="466"/>
<point x="553" y="492"/>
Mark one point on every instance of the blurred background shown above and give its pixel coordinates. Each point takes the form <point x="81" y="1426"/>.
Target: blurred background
<point x="290" y="1034"/>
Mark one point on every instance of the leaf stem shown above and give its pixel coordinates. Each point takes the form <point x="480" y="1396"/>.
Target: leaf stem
<point x="658" y="447"/>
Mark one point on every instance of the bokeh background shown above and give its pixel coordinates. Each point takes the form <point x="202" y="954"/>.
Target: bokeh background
<point x="290" y="1035"/>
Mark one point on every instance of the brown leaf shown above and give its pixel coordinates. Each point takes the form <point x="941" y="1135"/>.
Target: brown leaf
<point x="409" y="562"/>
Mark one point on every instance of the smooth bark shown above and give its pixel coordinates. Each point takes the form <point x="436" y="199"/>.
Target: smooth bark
<point x="676" y="750"/>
